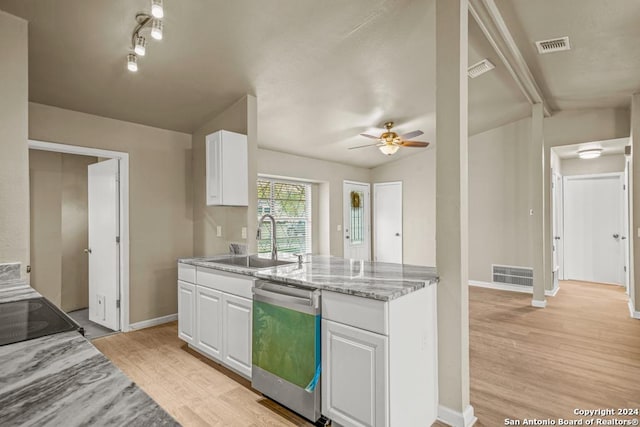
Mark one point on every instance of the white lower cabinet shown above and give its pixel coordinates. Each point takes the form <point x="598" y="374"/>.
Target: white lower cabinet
<point x="209" y="321"/>
<point x="354" y="364"/>
<point x="186" y="311"/>
<point x="236" y="335"/>
<point x="215" y="317"/>
<point x="379" y="365"/>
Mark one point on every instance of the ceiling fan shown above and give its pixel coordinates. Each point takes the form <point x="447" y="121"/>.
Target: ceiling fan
<point x="390" y="142"/>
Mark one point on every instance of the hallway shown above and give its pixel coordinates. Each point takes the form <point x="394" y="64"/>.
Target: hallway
<point x="582" y="351"/>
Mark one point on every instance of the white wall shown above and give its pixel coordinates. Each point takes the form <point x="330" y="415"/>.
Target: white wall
<point x="498" y="199"/>
<point x="418" y="175"/>
<point x="603" y="164"/>
<point x="14" y="160"/>
<point x="330" y="176"/>
<point x="160" y="197"/>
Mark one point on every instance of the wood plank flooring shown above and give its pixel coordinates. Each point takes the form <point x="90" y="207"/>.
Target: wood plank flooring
<point x="582" y="351"/>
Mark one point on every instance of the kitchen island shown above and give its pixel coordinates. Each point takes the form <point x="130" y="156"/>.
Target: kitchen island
<point x="63" y="380"/>
<point x="378" y="330"/>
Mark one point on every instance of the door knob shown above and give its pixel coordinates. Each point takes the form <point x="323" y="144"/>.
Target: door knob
<point x="87" y="251"/>
<point x="615" y="236"/>
<point x="346" y="237"/>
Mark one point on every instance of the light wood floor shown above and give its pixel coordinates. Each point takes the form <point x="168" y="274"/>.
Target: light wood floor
<point x="582" y="351"/>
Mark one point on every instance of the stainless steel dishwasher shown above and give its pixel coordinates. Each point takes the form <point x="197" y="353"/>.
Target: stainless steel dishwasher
<point x="286" y="346"/>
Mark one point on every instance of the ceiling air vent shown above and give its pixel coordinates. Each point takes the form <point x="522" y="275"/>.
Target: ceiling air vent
<point x="480" y="68"/>
<point x="553" y="45"/>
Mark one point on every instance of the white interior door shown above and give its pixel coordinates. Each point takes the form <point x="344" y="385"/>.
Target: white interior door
<point x="593" y="228"/>
<point x="357" y="219"/>
<point x="387" y="218"/>
<point x="103" y="244"/>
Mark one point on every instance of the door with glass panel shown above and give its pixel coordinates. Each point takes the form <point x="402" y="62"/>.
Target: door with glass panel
<point x="356" y="206"/>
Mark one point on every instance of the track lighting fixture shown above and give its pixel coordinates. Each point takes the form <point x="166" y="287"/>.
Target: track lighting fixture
<point x="143" y="21"/>
<point x="156" y="29"/>
<point x="132" y="62"/>
<point x="156" y="9"/>
<point x="140" y="46"/>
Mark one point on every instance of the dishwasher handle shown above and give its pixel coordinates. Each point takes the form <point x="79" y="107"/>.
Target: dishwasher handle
<point x="276" y="297"/>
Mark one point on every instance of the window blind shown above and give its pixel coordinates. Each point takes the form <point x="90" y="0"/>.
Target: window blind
<point x="290" y="204"/>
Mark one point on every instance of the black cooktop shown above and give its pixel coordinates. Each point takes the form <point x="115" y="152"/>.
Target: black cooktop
<point x="32" y="318"/>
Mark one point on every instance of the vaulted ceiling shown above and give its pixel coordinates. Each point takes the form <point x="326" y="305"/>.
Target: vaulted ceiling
<point x="323" y="72"/>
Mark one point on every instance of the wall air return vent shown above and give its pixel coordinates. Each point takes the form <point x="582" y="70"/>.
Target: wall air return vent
<point x="480" y="68"/>
<point x="521" y="276"/>
<point x="553" y="45"/>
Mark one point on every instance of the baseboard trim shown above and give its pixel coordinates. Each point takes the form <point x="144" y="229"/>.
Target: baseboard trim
<point x="633" y="313"/>
<point x="538" y="304"/>
<point x="510" y="288"/>
<point x="455" y="418"/>
<point x="153" y="322"/>
<point x="500" y="286"/>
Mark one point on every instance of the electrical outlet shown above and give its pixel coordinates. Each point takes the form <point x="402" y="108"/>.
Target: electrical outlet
<point x="219" y="231"/>
<point x="244" y="232"/>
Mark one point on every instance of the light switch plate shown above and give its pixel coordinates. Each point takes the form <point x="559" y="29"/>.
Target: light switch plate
<point x="340" y="228"/>
<point x="219" y="231"/>
<point x="244" y="232"/>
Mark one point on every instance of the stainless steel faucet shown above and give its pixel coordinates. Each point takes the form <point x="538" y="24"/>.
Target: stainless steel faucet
<point x="274" y="248"/>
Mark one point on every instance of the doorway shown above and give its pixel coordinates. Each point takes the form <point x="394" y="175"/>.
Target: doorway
<point x="356" y="207"/>
<point x="387" y="222"/>
<point x="593" y="228"/>
<point x="104" y="213"/>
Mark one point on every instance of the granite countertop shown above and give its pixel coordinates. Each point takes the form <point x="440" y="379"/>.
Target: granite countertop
<point x="375" y="280"/>
<point x="62" y="379"/>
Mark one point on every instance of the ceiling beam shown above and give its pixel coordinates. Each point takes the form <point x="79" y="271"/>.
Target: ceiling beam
<point x="488" y="17"/>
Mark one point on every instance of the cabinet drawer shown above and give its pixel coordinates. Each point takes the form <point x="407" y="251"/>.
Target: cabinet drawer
<point x="364" y="313"/>
<point x="233" y="284"/>
<point x="186" y="272"/>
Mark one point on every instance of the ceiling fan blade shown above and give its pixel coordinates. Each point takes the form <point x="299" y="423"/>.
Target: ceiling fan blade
<point x="411" y="134"/>
<point x="414" y="144"/>
<point x="364" y="146"/>
<point x="369" y="136"/>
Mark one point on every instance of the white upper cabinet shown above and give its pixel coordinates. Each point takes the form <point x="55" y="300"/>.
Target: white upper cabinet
<point x="227" y="169"/>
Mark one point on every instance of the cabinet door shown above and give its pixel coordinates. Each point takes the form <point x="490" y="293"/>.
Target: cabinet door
<point x="354" y="375"/>
<point x="186" y="311"/>
<point x="209" y="321"/>
<point x="236" y="335"/>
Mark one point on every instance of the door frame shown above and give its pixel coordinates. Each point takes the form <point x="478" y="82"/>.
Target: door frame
<point x="124" y="211"/>
<point x="621" y="177"/>
<point x="368" y="216"/>
<point x="377" y="185"/>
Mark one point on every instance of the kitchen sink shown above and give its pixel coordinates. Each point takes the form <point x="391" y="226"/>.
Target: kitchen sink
<point x="251" y="261"/>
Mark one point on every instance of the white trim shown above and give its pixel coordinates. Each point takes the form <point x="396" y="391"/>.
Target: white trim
<point x="633" y="313"/>
<point x="124" y="211"/>
<point x="153" y="322"/>
<point x="538" y="304"/>
<point x="552" y="293"/>
<point x="511" y="288"/>
<point x="455" y="418"/>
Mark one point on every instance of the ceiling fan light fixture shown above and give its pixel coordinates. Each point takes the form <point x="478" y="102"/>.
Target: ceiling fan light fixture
<point x="389" y="149"/>
<point x="590" y="153"/>
<point x="156" y="9"/>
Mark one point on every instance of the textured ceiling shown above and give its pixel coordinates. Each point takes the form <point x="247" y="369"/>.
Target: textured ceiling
<point x="323" y="72"/>
<point x="602" y="69"/>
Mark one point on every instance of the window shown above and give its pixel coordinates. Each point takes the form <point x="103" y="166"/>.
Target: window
<point x="290" y="204"/>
